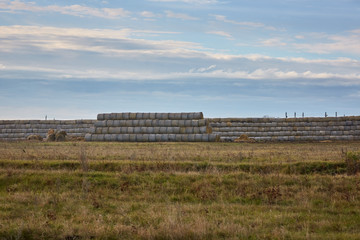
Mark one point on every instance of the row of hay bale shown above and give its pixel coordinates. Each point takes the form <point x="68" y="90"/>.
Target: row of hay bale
<point x="152" y="127"/>
<point x="160" y="116"/>
<point x="285" y="129"/>
<point x="153" y="137"/>
<point x="14" y="130"/>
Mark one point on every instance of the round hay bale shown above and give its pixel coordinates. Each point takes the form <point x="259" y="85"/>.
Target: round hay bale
<point x="146" y="115"/>
<point x="118" y="116"/>
<point x="189" y="130"/>
<point x="171" y="116"/>
<point x="158" y="137"/>
<point x="171" y="137"/>
<point x="155" y="123"/>
<point x="132" y="116"/>
<point x="181" y="123"/>
<point x="117" y="123"/>
<point x="139" y="115"/>
<point x="142" y="123"/>
<point x="178" y="138"/>
<point x="182" y="130"/>
<point x="152" y="115"/>
<point x="148" y="123"/>
<point x="198" y="115"/>
<point x="113" y="137"/>
<point x="120" y="137"/>
<point x="184" y="137"/>
<point x="128" y="123"/>
<point x="112" y="116"/>
<point x="126" y="137"/>
<point x="110" y="123"/>
<point x="184" y="116"/>
<point x="105" y="130"/>
<point x="126" y="116"/>
<point x="202" y="122"/>
<point x="163" y="130"/>
<point x="198" y="137"/>
<point x="164" y="137"/>
<point x="60" y="136"/>
<point x="188" y="123"/>
<point x="191" y="138"/>
<point x="205" y="138"/>
<point x="132" y="138"/>
<point x="157" y="130"/>
<point x="143" y="130"/>
<point x="149" y="130"/>
<point x="195" y="123"/>
<point x="123" y="130"/>
<point x="145" y="137"/>
<point x="114" y="130"/>
<point x="152" y="137"/>
<point x="135" y="123"/>
<point x="161" y="123"/>
<point x="170" y="130"/>
<point x="157" y="115"/>
<point x="177" y="116"/>
<point x="137" y="130"/>
<point x="34" y="137"/>
<point x="191" y="115"/>
<point x="175" y="123"/>
<point x="167" y="123"/>
<point x="100" y="116"/>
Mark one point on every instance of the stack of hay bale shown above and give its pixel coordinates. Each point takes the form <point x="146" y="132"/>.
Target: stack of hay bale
<point x="152" y="127"/>
<point x="13" y="130"/>
<point x="287" y="129"/>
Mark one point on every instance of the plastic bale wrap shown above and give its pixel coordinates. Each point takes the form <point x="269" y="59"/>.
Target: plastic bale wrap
<point x="168" y="123"/>
<point x="177" y="116"/>
<point x="126" y="137"/>
<point x="137" y="130"/>
<point x="113" y="137"/>
<point x="171" y="116"/>
<point x="191" y="138"/>
<point x="114" y="130"/>
<point x="163" y="130"/>
<point x="198" y="115"/>
<point x="184" y="137"/>
<point x="132" y="116"/>
<point x="100" y="116"/>
<point x="152" y="115"/>
<point x="139" y="116"/>
<point x="172" y="137"/>
<point x="148" y="123"/>
<point x="132" y="138"/>
<point x="152" y="137"/>
<point x="157" y="130"/>
<point x="158" y="137"/>
<point x="107" y="137"/>
<point x="104" y="130"/>
<point x="177" y="137"/>
<point x="205" y="138"/>
<point x="189" y="130"/>
<point x="150" y="130"/>
<point x="181" y="123"/>
<point x="198" y="137"/>
<point x="182" y="130"/>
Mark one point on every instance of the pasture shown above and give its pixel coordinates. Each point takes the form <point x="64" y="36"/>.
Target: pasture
<point x="99" y="190"/>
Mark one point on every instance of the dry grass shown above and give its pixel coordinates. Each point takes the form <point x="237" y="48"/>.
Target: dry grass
<point x="179" y="191"/>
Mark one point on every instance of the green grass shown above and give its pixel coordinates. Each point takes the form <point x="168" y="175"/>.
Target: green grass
<point x="179" y="191"/>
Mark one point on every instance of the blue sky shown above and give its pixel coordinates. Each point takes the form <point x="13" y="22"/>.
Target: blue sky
<point x="245" y="58"/>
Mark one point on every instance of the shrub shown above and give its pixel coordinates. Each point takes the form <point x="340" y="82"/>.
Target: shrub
<point x="352" y="161"/>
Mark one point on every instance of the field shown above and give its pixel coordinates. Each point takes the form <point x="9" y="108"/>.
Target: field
<point x="79" y="190"/>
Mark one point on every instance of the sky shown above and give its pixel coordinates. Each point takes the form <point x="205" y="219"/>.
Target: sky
<point x="226" y="58"/>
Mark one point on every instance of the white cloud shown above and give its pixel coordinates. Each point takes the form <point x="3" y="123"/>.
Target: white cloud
<point x="273" y="42"/>
<point x="148" y="14"/>
<point x="189" y="1"/>
<point x="181" y="16"/>
<point x="326" y="44"/>
<point x="75" y="10"/>
<point x="221" y="33"/>
<point x="245" y="24"/>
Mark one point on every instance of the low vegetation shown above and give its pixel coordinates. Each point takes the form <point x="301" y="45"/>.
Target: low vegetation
<point x="80" y="190"/>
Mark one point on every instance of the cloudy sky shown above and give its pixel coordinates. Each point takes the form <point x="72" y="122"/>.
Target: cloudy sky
<point x="226" y="58"/>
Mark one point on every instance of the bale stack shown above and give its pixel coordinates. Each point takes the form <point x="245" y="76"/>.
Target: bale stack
<point x="288" y="129"/>
<point x="14" y="130"/>
<point x="152" y="127"/>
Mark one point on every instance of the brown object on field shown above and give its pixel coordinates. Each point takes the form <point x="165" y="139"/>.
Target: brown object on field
<point x="50" y="137"/>
<point x="326" y="141"/>
<point x="244" y="138"/>
<point x="76" y="139"/>
<point x="34" y="137"/>
<point x="60" y="136"/>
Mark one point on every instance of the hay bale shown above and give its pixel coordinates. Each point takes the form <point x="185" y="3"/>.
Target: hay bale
<point x="34" y="137"/>
<point x="152" y="137"/>
<point x="152" y="115"/>
<point x="60" y="136"/>
<point x="50" y="137"/>
<point x="243" y="138"/>
<point x="88" y="137"/>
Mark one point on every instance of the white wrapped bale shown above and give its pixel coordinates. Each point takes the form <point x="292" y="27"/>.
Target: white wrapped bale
<point x="158" y="137"/>
<point x="178" y="137"/>
<point x="172" y="137"/>
<point x="152" y="137"/>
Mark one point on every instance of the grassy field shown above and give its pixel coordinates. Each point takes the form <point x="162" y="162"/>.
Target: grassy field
<point x="78" y="190"/>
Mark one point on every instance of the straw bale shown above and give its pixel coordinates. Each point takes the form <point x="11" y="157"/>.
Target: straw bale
<point x="114" y="130"/>
<point x="126" y="137"/>
<point x="182" y="130"/>
<point x="118" y="116"/>
<point x="161" y="123"/>
<point x="171" y="137"/>
<point x="155" y="123"/>
<point x="113" y="137"/>
<point x="198" y="137"/>
<point x="132" y="137"/>
<point x="181" y="123"/>
<point x="104" y="130"/>
<point x="184" y="137"/>
<point x="152" y="137"/>
<point x="191" y="138"/>
<point x="189" y="130"/>
<point x="146" y="115"/>
<point x="144" y="130"/>
<point x="203" y="122"/>
<point x="128" y="123"/>
<point x="137" y="130"/>
<point x="148" y="123"/>
<point x="133" y="116"/>
<point x="198" y="115"/>
<point x="100" y="116"/>
<point x="175" y="123"/>
<point x="184" y="116"/>
<point x="139" y="115"/>
<point x="158" y="137"/>
<point x="167" y="123"/>
<point x="88" y="137"/>
<point x="170" y="130"/>
<point x="125" y="116"/>
<point x="171" y="116"/>
<point x="157" y="115"/>
<point x="163" y="130"/>
<point x="157" y="130"/>
<point x="205" y="138"/>
<point x="60" y="136"/>
<point x="145" y="137"/>
<point x="194" y="123"/>
<point x="34" y="137"/>
<point x="177" y="116"/>
<point x="135" y="123"/>
<point x="165" y="116"/>
<point x="142" y="122"/>
<point x="164" y="137"/>
<point x="152" y="115"/>
<point x="117" y="123"/>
